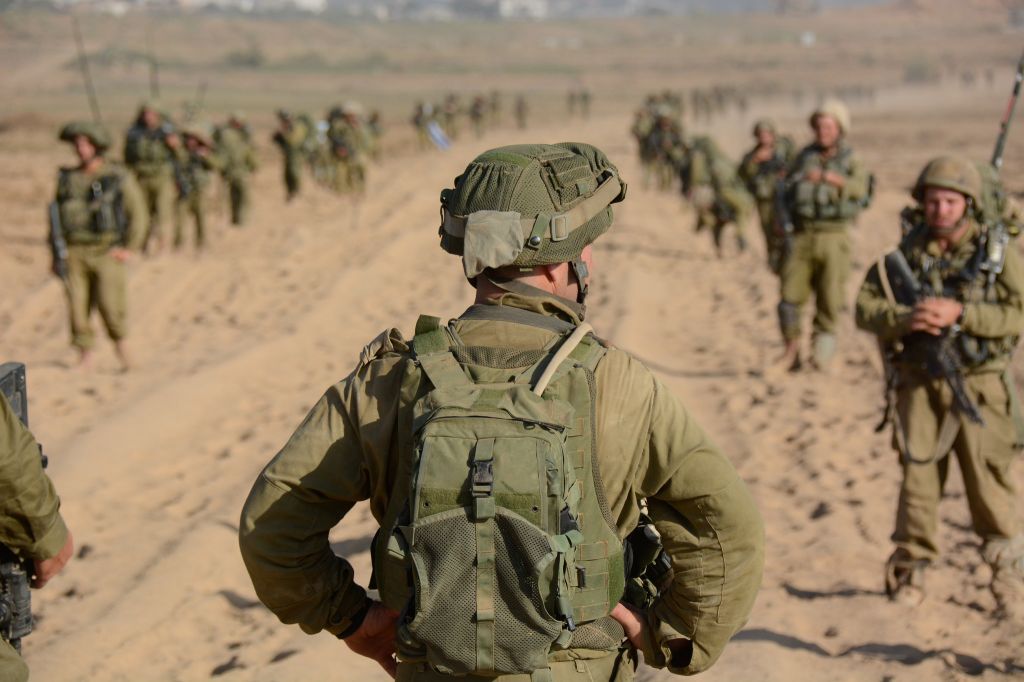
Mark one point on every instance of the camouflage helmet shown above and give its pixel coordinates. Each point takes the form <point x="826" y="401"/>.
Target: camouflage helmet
<point x="202" y="131"/>
<point x="835" y="109"/>
<point x="529" y="205"/>
<point x="764" y="124"/>
<point x="950" y="172"/>
<point x="95" y="132"/>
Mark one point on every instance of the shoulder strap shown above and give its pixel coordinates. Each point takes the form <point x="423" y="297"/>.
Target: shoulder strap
<point x="432" y="349"/>
<point x="560" y="355"/>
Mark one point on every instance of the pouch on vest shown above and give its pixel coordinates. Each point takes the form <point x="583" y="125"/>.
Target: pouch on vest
<point x="490" y="531"/>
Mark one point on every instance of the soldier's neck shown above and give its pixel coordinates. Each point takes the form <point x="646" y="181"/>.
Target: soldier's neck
<point x="93" y="165"/>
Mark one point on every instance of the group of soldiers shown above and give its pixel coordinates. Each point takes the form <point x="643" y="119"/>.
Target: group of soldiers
<point x="104" y="211"/>
<point x="947" y="307"/>
<point x="336" y="151"/>
<point x="438" y="125"/>
<point x="541" y="495"/>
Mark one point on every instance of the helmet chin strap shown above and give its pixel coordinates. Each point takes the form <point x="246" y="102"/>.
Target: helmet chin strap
<point x="581" y="272"/>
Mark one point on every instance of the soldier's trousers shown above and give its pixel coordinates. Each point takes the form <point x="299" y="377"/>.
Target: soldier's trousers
<point x="238" y="193"/>
<point x="349" y="176"/>
<point x="193" y="206"/>
<point x="616" y="667"/>
<point x="819" y="265"/>
<point x="159" y="193"/>
<point x="12" y="666"/>
<point x="984" y="454"/>
<point x="292" y="176"/>
<point x="772" y="241"/>
<point x="95" y="281"/>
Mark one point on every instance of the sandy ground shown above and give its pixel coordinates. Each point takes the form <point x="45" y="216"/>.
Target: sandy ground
<point x="233" y="347"/>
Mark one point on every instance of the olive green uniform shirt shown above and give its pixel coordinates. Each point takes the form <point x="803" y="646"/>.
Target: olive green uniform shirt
<point x="648" y="446"/>
<point x="146" y="152"/>
<point x="997" y="315"/>
<point x="816" y="206"/>
<point x="77" y="203"/>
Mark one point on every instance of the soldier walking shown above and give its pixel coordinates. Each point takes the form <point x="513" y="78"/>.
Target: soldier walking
<point x="235" y="148"/>
<point x="505" y="455"/>
<point x="828" y="187"/>
<point x="149" y="151"/>
<point x="763" y="171"/>
<point x="974" y="304"/>
<point x="98" y="219"/>
<point x="292" y="137"/>
<point x="198" y="160"/>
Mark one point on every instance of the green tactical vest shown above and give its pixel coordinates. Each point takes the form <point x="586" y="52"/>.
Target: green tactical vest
<point x="497" y="545"/>
<point x="92" y="207"/>
<point x="822" y="201"/>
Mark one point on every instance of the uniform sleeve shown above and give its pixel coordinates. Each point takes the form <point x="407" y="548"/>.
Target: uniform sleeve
<point x="748" y="168"/>
<point x="874" y="313"/>
<point x="328" y="465"/>
<point x="30" y="520"/>
<point x="1004" y="317"/>
<point x="135" y="212"/>
<point x="711" y="529"/>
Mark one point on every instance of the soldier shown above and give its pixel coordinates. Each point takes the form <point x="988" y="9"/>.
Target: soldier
<point x="150" y="149"/>
<point x="477" y="112"/>
<point x="584" y="99"/>
<point x="348" y="144"/>
<point x="762" y="169"/>
<point x="494" y="108"/>
<point x="197" y="160"/>
<point x="522" y="112"/>
<point x="100" y="215"/>
<point x="717" y="193"/>
<point x="532" y="472"/>
<point x="236" y="150"/>
<point x="643" y="124"/>
<point x="422" y="115"/>
<point x="374" y="131"/>
<point x="292" y="137"/>
<point x="976" y="303"/>
<point x="450" y="111"/>
<point x="828" y="188"/>
<point x="665" y="147"/>
<point x="30" y="520"/>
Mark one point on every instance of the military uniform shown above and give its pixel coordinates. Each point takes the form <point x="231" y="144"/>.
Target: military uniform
<point x="348" y="143"/>
<point x="98" y="212"/>
<point x="196" y="167"/>
<point x="235" y="148"/>
<point x="718" y="194"/>
<point x="819" y="261"/>
<point x="30" y="521"/>
<point x="762" y="179"/>
<point x="635" y="441"/>
<point x="152" y="162"/>
<point x="926" y="426"/>
<point x="292" y="138"/>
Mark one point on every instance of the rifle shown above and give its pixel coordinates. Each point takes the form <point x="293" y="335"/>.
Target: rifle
<point x="1004" y="125"/>
<point x="784" y="228"/>
<point x="15" y="572"/>
<point x="941" y="359"/>
<point x="58" y="245"/>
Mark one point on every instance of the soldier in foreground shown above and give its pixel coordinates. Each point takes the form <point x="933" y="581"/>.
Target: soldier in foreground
<point x="828" y="187"/>
<point x="763" y="170"/>
<point x="149" y="151"/>
<point x="97" y="220"/>
<point x="970" y="306"/>
<point x="30" y="522"/>
<point x="506" y="449"/>
<point x="238" y="155"/>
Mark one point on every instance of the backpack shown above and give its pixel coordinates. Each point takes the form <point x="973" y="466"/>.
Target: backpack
<point x="497" y="546"/>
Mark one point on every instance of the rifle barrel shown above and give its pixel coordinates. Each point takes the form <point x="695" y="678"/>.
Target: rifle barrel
<point x="1004" y="126"/>
<point x="83" y="63"/>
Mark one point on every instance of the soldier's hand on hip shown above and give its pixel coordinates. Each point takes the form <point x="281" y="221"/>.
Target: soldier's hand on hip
<point x="45" y="569"/>
<point x="632" y="623"/>
<point x="375" y="638"/>
<point x="121" y="255"/>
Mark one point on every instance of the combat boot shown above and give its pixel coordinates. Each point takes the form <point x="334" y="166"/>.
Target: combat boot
<point x="904" y="580"/>
<point x="1006" y="557"/>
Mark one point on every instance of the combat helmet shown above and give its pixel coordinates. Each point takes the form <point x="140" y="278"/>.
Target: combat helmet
<point x="95" y="132"/>
<point x="530" y="205"/>
<point x="835" y="109"/>
<point x="950" y="172"/>
<point x="764" y="124"/>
